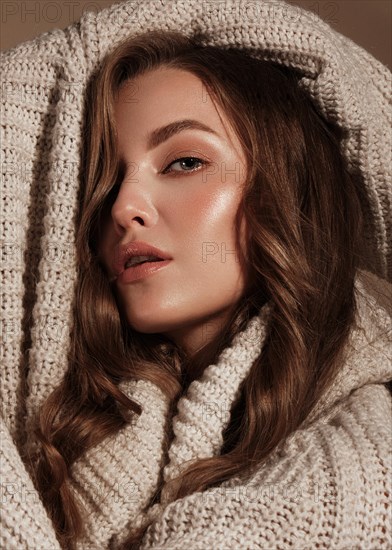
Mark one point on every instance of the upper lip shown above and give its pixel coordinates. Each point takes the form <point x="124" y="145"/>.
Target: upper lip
<point x="124" y="252"/>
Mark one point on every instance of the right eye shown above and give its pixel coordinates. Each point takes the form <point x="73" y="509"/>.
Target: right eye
<point x="110" y="199"/>
<point x="115" y="187"/>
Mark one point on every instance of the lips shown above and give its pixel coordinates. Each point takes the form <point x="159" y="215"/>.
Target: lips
<point x="124" y="252"/>
<point x="141" y="271"/>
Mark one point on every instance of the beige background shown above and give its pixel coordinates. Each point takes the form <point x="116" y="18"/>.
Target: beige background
<point x="367" y="22"/>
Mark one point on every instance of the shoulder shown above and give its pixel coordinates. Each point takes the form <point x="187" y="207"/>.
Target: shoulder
<point x="352" y="435"/>
<point x="339" y="469"/>
<point x="327" y="486"/>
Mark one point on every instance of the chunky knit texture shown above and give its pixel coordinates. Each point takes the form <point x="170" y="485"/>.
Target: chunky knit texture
<point x="329" y="485"/>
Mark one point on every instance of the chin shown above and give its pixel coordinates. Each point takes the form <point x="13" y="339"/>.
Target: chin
<point x="148" y="325"/>
<point x="145" y="328"/>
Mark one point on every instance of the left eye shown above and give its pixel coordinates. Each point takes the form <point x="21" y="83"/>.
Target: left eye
<point x="184" y="161"/>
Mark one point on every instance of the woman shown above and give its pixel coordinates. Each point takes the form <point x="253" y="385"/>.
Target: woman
<point x="214" y="393"/>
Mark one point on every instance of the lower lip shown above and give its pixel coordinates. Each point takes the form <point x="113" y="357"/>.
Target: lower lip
<point x="138" y="272"/>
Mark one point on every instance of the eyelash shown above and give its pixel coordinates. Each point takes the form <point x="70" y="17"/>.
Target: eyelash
<point x="116" y="186"/>
<point x="179" y="172"/>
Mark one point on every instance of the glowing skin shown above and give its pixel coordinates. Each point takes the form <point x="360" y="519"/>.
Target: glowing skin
<point x="187" y="212"/>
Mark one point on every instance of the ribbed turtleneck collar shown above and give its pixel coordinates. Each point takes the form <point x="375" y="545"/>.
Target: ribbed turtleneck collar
<point x="204" y="412"/>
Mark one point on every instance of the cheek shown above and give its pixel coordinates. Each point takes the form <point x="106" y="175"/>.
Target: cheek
<point x="211" y="211"/>
<point x="207" y="226"/>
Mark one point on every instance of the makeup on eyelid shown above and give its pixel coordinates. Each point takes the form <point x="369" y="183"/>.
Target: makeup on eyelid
<point x="196" y="160"/>
<point x="207" y="153"/>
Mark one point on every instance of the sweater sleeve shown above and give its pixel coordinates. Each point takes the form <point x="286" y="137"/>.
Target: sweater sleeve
<point x="24" y="522"/>
<point x="329" y="487"/>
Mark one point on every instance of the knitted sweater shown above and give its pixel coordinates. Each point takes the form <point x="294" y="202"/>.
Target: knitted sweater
<point x="329" y="484"/>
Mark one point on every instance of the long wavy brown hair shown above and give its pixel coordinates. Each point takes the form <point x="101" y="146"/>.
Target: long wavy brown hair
<point x="302" y="206"/>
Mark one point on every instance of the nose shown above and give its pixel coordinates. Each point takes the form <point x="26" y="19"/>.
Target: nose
<point x="133" y="206"/>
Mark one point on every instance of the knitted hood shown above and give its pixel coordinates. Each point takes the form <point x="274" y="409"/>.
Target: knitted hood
<point x="44" y="81"/>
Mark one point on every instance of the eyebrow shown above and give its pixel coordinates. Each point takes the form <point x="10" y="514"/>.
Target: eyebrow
<point x="162" y="134"/>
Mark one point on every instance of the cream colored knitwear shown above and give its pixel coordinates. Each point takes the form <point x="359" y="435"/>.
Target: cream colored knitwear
<point x="330" y="484"/>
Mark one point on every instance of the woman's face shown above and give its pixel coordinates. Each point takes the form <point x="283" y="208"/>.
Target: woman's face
<point x="186" y="208"/>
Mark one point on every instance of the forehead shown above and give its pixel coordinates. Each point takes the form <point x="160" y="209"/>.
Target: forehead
<point x="164" y="95"/>
<point x="163" y="81"/>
